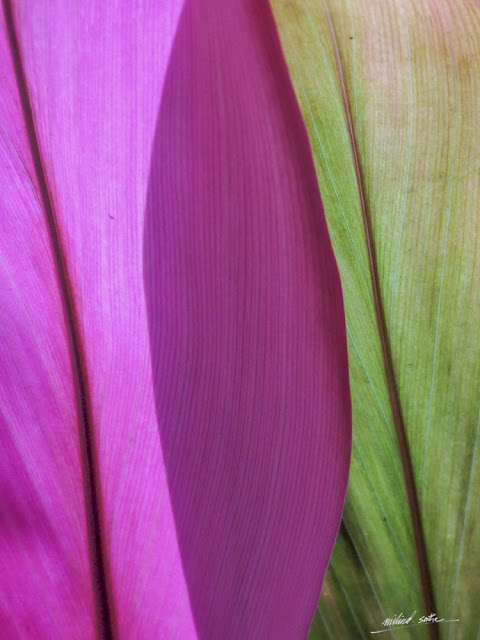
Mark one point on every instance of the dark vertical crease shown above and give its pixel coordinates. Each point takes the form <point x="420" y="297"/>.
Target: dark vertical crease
<point x="91" y="484"/>
<point x="405" y="457"/>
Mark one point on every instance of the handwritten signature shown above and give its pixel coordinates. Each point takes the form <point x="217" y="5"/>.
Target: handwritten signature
<point x="401" y="621"/>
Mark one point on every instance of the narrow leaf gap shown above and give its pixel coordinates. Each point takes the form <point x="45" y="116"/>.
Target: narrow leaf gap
<point x="405" y="458"/>
<point x="91" y="485"/>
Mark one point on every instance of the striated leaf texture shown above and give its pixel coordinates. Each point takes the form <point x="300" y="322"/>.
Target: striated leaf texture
<point x="174" y="404"/>
<point x="395" y="84"/>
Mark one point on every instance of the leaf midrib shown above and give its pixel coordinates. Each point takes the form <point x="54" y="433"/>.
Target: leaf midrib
<point x="404" y="451"/>
<point x="89" y="462"/>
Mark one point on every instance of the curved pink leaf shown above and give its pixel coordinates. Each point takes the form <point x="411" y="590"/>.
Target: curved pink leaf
<point x="175" y="417"/>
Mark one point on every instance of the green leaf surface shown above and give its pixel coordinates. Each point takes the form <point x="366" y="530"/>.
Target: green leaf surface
<point x="407" y="73"/>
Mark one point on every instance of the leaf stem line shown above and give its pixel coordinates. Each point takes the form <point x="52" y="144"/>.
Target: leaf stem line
<point x="404" y="451"/>
<point x="91" y="485"/>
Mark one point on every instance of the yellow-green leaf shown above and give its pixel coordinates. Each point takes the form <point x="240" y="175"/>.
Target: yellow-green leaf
<point x="396" y="84"/>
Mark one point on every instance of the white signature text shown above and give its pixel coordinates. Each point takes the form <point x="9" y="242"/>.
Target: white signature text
<point x="401" y="620"/>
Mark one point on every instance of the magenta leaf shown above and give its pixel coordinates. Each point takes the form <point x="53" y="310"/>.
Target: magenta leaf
<point x="174" y="405"/>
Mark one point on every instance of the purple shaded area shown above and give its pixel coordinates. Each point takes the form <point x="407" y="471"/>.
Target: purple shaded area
<point x="247" y="330"/>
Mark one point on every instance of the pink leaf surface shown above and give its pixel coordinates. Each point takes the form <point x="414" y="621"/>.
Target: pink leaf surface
<point x="194" y="347"/>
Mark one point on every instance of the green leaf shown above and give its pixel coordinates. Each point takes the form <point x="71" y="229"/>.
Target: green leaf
<point x="395" y="84"/>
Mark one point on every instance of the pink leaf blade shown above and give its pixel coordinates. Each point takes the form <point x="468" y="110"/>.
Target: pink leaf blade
<point x="58" y="60"/>
<point x="125" y="135"/>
